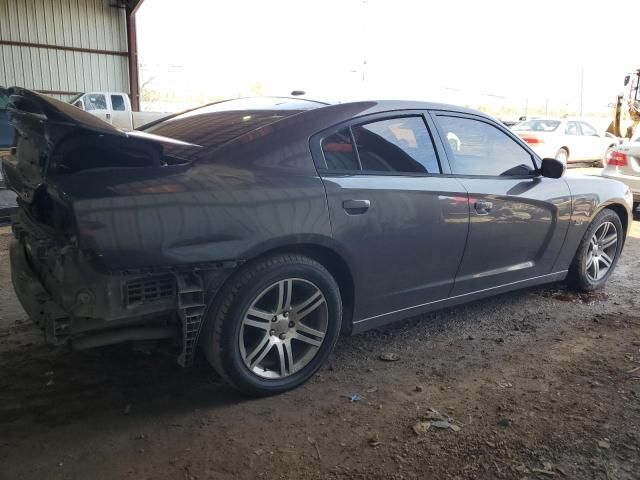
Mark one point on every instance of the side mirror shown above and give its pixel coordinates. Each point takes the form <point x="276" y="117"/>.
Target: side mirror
<point x="552" y="168"/>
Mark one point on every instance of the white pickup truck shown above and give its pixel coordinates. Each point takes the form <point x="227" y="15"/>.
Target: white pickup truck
<point x="114" y="108"/>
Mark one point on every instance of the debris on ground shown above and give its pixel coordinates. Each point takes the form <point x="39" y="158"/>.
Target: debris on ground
<point x="389" y="357"/>
<point x="548" y="473"/>
<point x="441" y="424"/>
<point x="374" y="442"/>
<point x="604" y="444"/>
<point x="313" y="442"/>
<point x="504" y="422"/>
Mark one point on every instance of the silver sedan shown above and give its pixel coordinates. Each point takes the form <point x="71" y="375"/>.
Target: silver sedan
<point x="623" y="163"/>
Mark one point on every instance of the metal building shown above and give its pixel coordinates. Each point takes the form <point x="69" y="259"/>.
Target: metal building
<point x="65" y="47"/>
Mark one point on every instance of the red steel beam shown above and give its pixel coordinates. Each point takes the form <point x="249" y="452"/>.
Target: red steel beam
<point x="132" y="42"/>
<point x="60" y="47"/>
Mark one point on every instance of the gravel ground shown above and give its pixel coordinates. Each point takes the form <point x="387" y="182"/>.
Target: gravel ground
<point x="540" y="383"/>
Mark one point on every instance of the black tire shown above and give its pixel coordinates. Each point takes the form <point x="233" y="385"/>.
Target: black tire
<point x="221" y="335"/>
<point x="578" y="277"/>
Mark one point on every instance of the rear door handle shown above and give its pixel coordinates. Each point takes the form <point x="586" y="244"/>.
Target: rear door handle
<point x="483" y="208"/>
<point x="356" y="207"/>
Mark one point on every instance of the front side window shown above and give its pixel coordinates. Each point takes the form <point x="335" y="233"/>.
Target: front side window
<point x="479" y="148"/>
<point x="95" y="102"/>
<point x="117" y="103"/>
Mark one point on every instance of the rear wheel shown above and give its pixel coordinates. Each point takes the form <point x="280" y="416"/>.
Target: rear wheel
<point x="274" y="324"/>
<point x="600" y="163"/>
<point x="563" y="156"/>
<point x="598" y="252"/>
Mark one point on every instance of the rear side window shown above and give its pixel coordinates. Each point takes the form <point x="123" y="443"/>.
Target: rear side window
<point x="400" y="145"/>
<point x="571" y="129"/>
<point x="396" y="145"/>
<point x="117" y="103"/>
<point x="588" y="130"/>
<point x="339" y="152"/>
<point x="479" y="148"/>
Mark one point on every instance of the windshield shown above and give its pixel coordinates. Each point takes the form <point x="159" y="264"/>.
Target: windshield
<point x="537" y="126"/>
<point x="212" y="125"/>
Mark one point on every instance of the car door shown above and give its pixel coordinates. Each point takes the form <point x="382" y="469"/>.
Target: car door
<point x="574" y="141"/>
<point x="120" y="116"/>
<point x="594" y="144"/>
<point x="518" y="219"/>
<point x="403" y="223"/>
<point x="96" y="104"/>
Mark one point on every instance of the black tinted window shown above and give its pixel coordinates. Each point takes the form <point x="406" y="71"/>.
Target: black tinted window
<point x="338" y="151"/>
<point x="396" y="145"/>
<point x="117" y="103"/>
<point x="481" y="149"/>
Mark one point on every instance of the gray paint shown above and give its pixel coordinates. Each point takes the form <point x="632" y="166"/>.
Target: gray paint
<point x="419" y="246"/>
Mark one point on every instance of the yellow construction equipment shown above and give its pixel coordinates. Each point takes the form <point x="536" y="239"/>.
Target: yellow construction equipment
<point x="626" y="112"/>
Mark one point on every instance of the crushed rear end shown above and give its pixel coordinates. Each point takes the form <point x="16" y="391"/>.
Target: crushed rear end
<point x="65" y="172"/>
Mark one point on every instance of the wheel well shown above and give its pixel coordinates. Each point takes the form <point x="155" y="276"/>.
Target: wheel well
<point x="337" y="267"/>
<point x="622" y="214"/>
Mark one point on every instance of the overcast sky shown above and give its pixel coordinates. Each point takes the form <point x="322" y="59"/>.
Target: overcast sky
<point x="455" y="51"/>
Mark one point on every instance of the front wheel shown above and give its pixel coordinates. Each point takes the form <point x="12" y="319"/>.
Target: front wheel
<point x="598" y="252"/>
<point x="274" y="324"/>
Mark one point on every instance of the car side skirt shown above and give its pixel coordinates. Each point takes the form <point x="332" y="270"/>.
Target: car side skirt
<point x="380" y="320"/>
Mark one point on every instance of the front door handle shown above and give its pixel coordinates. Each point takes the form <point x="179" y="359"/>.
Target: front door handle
<point x="356" y="207"/>
<point x="482" y="207"/>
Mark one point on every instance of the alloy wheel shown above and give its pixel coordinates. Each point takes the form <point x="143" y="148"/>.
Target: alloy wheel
<point x="603" y="248"/>
<point x="283" y="328"/>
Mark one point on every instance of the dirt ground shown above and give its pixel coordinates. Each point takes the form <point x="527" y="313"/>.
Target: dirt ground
<point x="540" y="383"/>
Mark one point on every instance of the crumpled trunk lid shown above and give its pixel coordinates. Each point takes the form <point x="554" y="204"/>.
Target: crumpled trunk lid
<point x="41" y="123"/>
<point x="55" y="138"/>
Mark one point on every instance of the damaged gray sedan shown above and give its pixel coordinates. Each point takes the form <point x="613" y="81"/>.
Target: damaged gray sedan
<point x="259" y="229"/>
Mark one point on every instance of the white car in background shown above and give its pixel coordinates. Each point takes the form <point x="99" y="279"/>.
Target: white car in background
<point x="623" y="164"/>
<point x="567" y="140"/>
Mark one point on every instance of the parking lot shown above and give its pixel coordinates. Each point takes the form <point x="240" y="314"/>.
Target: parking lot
<point x="539" y="383"/>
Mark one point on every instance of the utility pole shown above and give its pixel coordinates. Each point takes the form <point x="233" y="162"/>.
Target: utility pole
<point x="581" y="89"/>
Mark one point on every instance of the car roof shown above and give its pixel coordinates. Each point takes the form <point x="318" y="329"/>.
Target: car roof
<point x="367" y="107"/>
